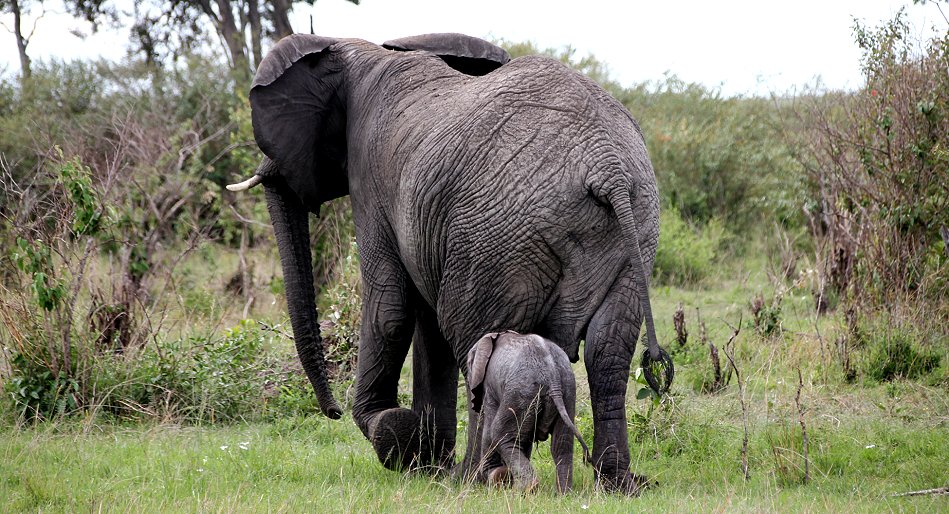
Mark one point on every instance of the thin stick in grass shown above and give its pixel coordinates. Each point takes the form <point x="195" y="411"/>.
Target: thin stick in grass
<point x="800" y="414"/>
<point x="741" y="398"/>
<point x="924" y="492"/>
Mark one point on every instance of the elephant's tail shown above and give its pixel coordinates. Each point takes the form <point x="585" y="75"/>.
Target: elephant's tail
<point x="557" y="397"/>
<point x="619" y="198"/>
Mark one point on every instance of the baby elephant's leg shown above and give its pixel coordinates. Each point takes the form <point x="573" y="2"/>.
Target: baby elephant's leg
<point x="561" y="449"/>
<point x="512" y="431"/>
<point x="489" y="463"/>
<point x="499" y="476"/>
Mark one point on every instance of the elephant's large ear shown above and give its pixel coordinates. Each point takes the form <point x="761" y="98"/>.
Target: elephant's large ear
<point x="286" y="52"/>
<point x="294" y="106"/>
<point x="478" y="358"/>
<point x="469" y="55"/>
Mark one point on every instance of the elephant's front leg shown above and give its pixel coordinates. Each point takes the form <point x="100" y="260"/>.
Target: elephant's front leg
<point x="610" y="342"/>
<point x="386" y="332"/>
<point x="434" y="389"/>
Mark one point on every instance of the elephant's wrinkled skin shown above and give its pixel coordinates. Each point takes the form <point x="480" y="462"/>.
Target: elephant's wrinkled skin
<point x="525" y="390"/>
<point x="519" y="199"/>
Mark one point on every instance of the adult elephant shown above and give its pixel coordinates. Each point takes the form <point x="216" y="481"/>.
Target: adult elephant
<point x="516" y="196"/>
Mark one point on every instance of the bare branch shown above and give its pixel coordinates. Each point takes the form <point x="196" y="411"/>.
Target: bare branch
<point x="923" y="492"/>
<point x="35" y="22"/>
<point x="800" y="413"/>
<point x="741" y="398"/>
<point x="248" y="221"/>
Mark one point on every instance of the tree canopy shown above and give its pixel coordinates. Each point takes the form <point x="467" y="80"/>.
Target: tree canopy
<point x="163" y="31"/>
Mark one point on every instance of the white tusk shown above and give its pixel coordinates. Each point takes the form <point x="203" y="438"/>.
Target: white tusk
<point x="245" y="185"/>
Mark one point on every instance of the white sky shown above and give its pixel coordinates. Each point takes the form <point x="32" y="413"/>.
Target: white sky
<point x="741" y="46"/>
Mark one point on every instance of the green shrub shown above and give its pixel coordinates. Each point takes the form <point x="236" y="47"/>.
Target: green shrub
<point x="685" y="255"/>
<point x="876" y="163"/>
<point x="46" y="362"/>
<point x="197" y="379"/>
<point x="896" y="354"/>
<point x="766" y="316"/>
<point x="276" y="286"/>
<point x="37" y="392"/>
<point x="246" y="373"/>
<point x="717" y="158"/>
<point x="288" y="393"/>
<point x="202" y="303"/>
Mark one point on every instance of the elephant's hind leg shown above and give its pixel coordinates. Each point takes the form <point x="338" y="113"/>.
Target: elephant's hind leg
<point x="434" y="389"/>
<point x="610" y="342"/>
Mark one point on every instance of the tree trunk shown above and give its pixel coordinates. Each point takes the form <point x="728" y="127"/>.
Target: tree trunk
<point x="281" y="18"/>
<point x="243" y="16"/>
<point x="253" y="15"/>
<point x="21" y="41"/>
<point x="232" y="37"/>
<point x="226" y="27"/>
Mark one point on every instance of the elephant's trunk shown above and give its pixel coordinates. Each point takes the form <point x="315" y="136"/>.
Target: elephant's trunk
<point x="291" y="227"/>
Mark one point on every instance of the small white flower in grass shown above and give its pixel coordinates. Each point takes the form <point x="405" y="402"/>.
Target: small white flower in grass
<point x="244" y="445"/>
<point x="584" y="506"/>
<point x="223" y="447"/>
<point x="200" y="470"/>
<point x="870" y="446"/>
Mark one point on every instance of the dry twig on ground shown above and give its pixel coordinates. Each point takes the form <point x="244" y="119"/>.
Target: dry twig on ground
<point x="923" y="492"/>
<point x="800" y="413"/>
<point x="729" y="351"/>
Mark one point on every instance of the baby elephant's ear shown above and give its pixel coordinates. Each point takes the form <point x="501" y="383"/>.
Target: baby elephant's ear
<point x="469" y="55"/>
<point x="478" y="358"/>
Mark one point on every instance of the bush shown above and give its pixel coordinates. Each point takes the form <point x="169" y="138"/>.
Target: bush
<point x="766" y="316"/>
<point x="685" y="255"/>
<point x="92" y="232"/>
<point x="717" y="158"/>
<point x="37" y="391"/>
<point x="239" y="375"/>
<point x="876" y="161"/>
<point x="895" y="353"/>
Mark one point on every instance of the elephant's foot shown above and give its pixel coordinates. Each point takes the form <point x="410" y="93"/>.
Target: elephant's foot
<point x="626" y="483"/>
<point x="396" y="436"/>
<point x="526" y="484"/>
<point x="499" y="477"/>
<point x="502" y="477"/>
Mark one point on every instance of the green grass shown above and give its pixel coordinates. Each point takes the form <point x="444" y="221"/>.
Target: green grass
<point x="867" y="440"/>
<point x="859" y="456"/>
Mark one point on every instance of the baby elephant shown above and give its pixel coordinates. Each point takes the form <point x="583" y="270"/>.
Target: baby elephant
<point x="525" y="389"/>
